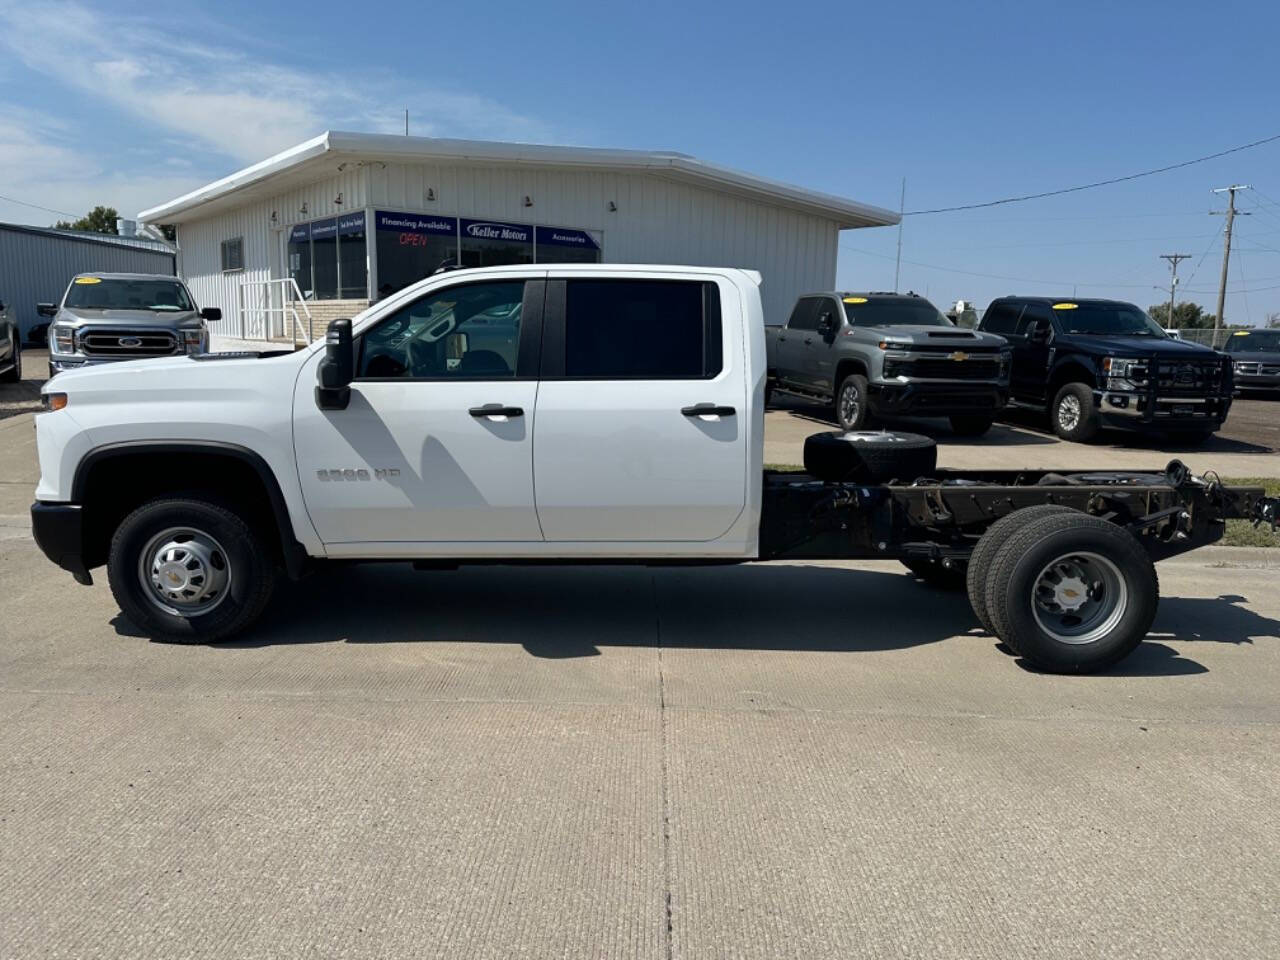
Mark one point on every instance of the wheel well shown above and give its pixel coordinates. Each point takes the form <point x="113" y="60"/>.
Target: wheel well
<point x="846" y="367"/>
<point x="113" y="485"/>
<point x="1069" y="373"/>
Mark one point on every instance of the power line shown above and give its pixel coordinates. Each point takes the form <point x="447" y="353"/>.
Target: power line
<point x="24" y="203"/>
<point x="1096" y="183"/>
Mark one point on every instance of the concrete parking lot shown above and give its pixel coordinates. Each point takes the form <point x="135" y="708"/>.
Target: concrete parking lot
<point x="803" y="760"/>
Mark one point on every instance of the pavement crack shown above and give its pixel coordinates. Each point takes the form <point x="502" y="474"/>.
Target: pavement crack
<point x="665" y="778"/>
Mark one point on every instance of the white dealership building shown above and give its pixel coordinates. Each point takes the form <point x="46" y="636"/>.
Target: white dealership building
<point x="324" y="228"/>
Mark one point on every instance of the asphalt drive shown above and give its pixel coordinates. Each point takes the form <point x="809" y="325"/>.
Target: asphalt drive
<point x="806" y="760"/>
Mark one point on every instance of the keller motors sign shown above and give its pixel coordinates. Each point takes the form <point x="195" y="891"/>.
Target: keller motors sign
<point x="495" y="230"/>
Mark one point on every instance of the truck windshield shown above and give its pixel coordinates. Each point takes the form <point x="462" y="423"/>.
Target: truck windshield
<point x="1254" y="341"/>
<point x="869" y="312"/>
<point x="1107" y="320"/>
<point x="93" y="293"/>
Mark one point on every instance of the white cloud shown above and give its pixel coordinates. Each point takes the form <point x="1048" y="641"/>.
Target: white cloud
<point x="193" y="101"/>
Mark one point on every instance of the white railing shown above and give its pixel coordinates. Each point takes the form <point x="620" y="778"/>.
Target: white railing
<point x="269" y="310"/>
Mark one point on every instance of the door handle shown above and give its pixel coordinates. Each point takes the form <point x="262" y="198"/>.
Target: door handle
<point x="707" y="410"/>
<point x="808" y="340"/>
<point x="496" y="410"/>
<point x="781" y="339"/>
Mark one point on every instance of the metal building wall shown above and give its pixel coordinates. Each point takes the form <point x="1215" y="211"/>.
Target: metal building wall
<point x="36" y="266"/>
<point x="656" y="221"/>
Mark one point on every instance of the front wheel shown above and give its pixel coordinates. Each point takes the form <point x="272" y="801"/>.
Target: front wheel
<point x="1073" y="414"/>
<point x="852" y="412"/>
<point x="189" y="570"/>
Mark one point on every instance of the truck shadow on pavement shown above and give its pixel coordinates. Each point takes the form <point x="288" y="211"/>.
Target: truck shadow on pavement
<point x="561" y="612"/>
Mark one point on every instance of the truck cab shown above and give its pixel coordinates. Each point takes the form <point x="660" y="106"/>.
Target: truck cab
<point x="109" y="317"/>
<point x="871" y="354"/>
<point x="1096" y="363"/>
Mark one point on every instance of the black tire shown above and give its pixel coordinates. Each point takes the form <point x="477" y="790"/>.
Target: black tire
<point x="989" y="545"/>
<point x="1073" y="415"/>
<point x="246" y="569"/>
<point x="971" y="425"/>
<point x="863" y="456"/>
<point x="14" y="374"/>
<point x="935" y="574"/>
<point x="1120" y="603"/>
<point x="860" y="416"/>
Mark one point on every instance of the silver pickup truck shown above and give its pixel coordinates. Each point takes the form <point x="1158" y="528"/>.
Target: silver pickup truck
<point x="888" y="353"/>
<point x="106" y="317"/>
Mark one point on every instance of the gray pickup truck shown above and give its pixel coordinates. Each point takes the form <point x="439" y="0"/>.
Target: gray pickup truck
<point x="888" y="353"/>
<point x="106" y="317"/>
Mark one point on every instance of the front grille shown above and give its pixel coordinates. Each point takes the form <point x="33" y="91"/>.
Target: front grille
<point x="943" y="368"/>
<point x="127" y="343"/>
<point x="1187" y="379"/>
<point x="1249" y="368"/>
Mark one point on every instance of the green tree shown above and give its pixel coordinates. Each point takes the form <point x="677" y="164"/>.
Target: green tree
<point x="98" y="220"/>
<point x="1186" y="316"/>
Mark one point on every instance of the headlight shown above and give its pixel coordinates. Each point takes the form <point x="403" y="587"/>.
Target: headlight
<point x="63" y="338"/>
<point x="1124" y="373"/>
<point x="193" y="340"/>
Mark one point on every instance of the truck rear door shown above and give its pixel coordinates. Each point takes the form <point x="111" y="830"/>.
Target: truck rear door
<point x="641" y="431"/>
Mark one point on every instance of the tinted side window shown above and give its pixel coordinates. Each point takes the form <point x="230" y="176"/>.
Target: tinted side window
<point x="805" y="314"/>
<point x="1036" y="315"/>
<point x="642" y="330"/>
<point x="470" y="332"/>
<point x="1001" y="317"/>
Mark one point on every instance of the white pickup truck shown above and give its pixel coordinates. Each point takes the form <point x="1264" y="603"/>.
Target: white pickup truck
<point x="564" y="413"/>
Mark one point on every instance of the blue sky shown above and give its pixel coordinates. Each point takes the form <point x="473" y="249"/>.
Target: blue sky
<point x="131" y="106"/>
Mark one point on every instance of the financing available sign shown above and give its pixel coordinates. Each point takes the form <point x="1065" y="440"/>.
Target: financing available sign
<point x="424" y="223"/>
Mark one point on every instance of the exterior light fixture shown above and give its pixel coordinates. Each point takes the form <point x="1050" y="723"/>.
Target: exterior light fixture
<point x="275" y="218"/>
<point x="338" y="200"/>
<point x="431" y="195"/>
<point x="528" y="201"/>
<point x="303" y="209"/>
<point x="613" y="207"/>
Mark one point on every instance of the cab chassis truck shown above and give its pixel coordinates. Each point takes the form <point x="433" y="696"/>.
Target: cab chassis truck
<point x="197" y="481"/>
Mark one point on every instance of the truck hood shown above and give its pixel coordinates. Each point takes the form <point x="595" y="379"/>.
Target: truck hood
<point x="166" y="319"/>
<point x="1118" y="346"/>
<point x="208" y="379"/>
<point x="942" y="337"/>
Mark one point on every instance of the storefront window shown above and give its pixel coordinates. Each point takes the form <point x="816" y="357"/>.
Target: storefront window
<point x="412" y="246"/>
<point x="300" y="258"/>
<point x="324" y="259"/>
<point x="488" y="243"/>
<point x="353" y="265"/>
<point x="562" y="245"/>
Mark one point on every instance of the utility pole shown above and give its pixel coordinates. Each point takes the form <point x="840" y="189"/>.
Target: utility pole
<point x="1226" y="253"/>
<point x="406" y="123"/>
<point x="902" y="205"/>
<point x="1174" y="259"/>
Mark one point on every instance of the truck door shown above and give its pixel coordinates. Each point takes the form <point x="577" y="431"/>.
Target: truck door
<point x="437" y="441"/>
<point x="642" y="429"/>
<point x="820" y="356"/>
<point x="1030" y="372"/>
<point x="795" y="342"/>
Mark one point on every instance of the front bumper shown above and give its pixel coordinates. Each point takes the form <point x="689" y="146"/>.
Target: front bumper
<point x="1255" y="381"/>
<point x="58" y="529"/>
<point x="937" y="398"/>
<point x="1135" y="410"/>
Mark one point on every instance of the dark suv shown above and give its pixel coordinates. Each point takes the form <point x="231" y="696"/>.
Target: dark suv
<point x="1095" y="363"/>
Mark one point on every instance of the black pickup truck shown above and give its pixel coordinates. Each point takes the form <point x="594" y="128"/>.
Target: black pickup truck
<point x="1096" y="363"/>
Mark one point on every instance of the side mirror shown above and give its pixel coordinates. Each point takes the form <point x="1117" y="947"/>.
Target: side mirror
<point x="1039" y="333"/>
<point x="47" y="309"/>
<point x="826" y="326"/>
<point x="212" y="314"/>
<point x="337" y="369"/>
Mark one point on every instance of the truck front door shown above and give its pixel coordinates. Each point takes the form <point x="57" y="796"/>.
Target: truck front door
<point x="795" y="344"/>
<point x="1032" y="334"/>
<point x="436" y="444"/>
<point x="642" y="428"/>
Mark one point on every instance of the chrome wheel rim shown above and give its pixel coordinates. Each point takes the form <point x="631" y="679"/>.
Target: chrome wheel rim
<point x="850" y="403"/>
<point x="1069" y="412"/>
<point x="878" y="436"/>
<point x="1079" y="598"/>
<point x="184" y="572"/>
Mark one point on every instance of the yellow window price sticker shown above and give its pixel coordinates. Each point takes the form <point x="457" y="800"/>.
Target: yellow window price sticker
<point x="855" y="299"/>
<point x="1066" y="306"/>
<point x="88" y="280"/>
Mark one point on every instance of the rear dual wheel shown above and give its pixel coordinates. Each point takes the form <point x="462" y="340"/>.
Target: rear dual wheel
<point x="1067" y="591"/>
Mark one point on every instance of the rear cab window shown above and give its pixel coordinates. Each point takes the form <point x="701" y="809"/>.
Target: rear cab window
<point x="642" y="330"/>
